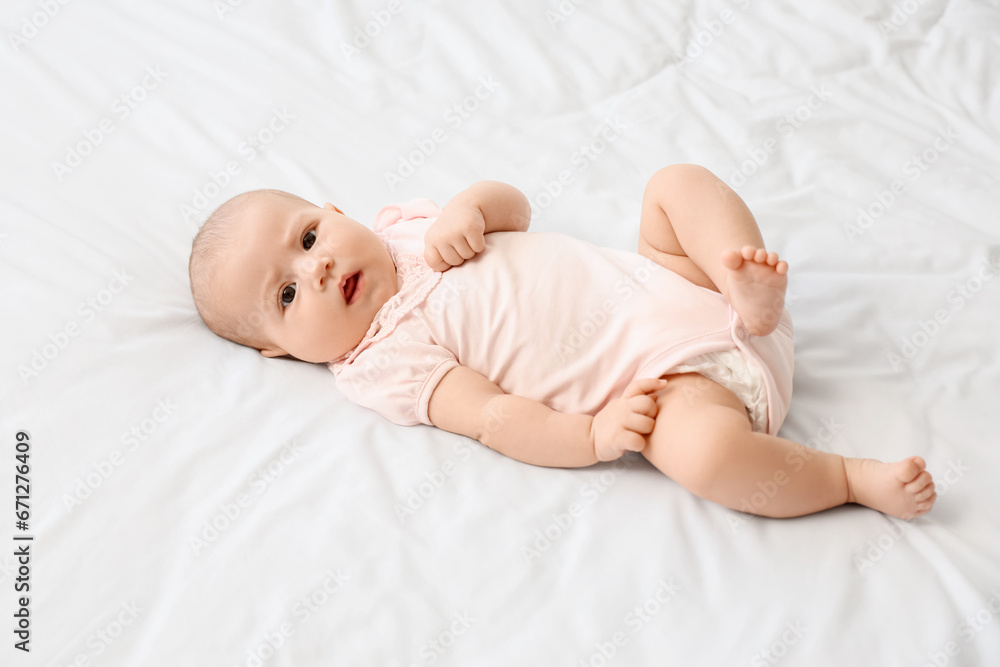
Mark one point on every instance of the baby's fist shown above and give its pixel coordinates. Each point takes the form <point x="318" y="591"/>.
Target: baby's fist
<point x="624" y="422"/>
<point x="458" y="234"/>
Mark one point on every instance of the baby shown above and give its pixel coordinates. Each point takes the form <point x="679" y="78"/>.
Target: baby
<point x="545" y="348"/>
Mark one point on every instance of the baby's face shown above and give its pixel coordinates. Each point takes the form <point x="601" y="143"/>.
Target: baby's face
<point x="308" y="279"/>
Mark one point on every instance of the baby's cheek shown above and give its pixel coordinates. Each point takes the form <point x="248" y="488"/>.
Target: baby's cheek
<point x="313" y="335"/>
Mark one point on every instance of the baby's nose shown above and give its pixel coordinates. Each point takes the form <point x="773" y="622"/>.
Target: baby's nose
<point x="320" y="270"/>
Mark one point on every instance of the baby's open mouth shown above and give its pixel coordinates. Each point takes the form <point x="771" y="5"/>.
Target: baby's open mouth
<point x="350" y="286"/>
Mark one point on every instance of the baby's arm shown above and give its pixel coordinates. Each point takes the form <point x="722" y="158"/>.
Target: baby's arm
<point x="459" y="232"/>
<point x="468" y="403"/>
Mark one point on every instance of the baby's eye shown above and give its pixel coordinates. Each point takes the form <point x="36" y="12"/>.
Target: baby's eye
<point x="309" y="239"/>
<point x="287" y="295"/>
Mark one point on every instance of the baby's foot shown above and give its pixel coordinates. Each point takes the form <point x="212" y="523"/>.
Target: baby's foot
<point x="755" y="286"/>
<point x="903" y="489"/>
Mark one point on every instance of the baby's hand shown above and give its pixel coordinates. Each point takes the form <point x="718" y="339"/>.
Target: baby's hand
<point x="622" y="423"/>
<point x="458" y="234"/>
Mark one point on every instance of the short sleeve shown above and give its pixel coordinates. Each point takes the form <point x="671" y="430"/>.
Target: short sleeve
<point x="415" y="208"/>
<point x="403" y="226"/>
<point x="396" y="377"/>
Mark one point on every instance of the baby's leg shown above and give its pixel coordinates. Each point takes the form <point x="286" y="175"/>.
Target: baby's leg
<point x="703" y="440"/>
<point x="697" y="226"/>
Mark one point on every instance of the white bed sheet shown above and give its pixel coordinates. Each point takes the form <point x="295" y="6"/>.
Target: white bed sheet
<point x="146" y="430"/>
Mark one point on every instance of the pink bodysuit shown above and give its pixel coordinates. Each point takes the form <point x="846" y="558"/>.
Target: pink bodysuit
<point x="548" y="317"/>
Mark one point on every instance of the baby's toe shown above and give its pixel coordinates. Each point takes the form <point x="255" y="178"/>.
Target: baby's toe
<point x="760" y="255"/>
<point x="908" y="469"/>
<point x="748" y="252"/>
<point x="731" y="259"/>
<point x="919" y="484"/>
<point x="772" y="258"/>
<point x="925" y="505"/>
<point x="926" y="493"/>
<point x="781" y="268"/>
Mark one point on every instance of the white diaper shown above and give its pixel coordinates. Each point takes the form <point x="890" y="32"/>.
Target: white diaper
<point x="730" y="369"/>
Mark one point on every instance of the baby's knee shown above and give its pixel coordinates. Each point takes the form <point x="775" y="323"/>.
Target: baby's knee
<point x="680" y="173"/>
<point x="696" y="433"/>
<point x="709" y="455"/>
<point x="694" y="458"/>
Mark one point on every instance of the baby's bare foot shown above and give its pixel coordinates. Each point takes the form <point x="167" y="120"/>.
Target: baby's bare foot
<point x="755" y="286"/>
<point x="903" y="489"/>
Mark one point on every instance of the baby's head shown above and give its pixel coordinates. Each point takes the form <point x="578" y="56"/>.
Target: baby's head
<point x="273" y="272"/>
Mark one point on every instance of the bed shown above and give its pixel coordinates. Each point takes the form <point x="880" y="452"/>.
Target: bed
<point x="192" y="503"/>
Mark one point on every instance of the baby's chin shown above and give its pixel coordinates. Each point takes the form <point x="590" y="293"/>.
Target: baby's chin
<point x="322" y="355"/>
<point x="324" y="339"/>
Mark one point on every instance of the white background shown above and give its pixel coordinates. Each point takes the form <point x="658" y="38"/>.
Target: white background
<point x="863" y="135"/>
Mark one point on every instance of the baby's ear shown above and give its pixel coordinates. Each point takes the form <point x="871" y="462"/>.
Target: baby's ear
<point x="330" y="207"/>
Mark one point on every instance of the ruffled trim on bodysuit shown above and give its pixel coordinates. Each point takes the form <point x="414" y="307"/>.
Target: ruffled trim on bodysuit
<point x="416" y="280"/>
